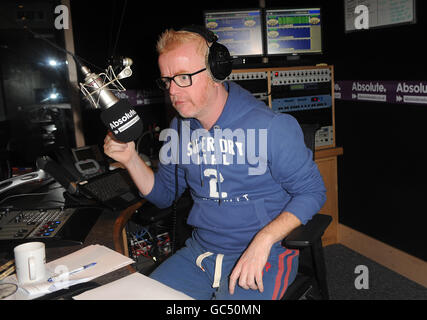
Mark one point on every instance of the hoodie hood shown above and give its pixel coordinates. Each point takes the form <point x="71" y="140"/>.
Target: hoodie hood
<point x="235" y="109"/>
<point x="237" y="105"/>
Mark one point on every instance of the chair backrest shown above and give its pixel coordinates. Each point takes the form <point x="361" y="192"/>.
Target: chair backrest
<point x="309" y="131"/>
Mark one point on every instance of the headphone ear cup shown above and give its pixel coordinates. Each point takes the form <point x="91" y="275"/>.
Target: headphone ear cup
<point x="219" y="62"/>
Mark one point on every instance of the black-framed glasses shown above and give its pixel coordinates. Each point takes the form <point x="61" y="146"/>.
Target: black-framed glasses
<point x="182" y="80"/>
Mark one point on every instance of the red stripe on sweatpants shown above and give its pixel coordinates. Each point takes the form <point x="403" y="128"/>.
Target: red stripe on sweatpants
<point x="288" y="271"/>
<point x="279" y="274"/>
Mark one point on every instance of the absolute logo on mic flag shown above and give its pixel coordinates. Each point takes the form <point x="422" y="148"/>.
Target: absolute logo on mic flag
<point x="123" y="121"/>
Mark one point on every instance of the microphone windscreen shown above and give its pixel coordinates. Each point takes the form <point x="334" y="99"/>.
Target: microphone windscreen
<point x="123" y="121"/>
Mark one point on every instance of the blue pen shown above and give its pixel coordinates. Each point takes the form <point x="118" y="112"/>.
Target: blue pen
<point x="54" y="277"/>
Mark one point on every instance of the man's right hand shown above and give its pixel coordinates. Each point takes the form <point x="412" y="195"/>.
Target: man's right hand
<point x="125" y="153"/>
<point x="119" y="151"/>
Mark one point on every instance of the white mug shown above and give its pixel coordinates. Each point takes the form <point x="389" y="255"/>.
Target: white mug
<point x="30" y="262"/>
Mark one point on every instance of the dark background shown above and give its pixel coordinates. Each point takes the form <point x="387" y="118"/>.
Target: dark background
<point x="388" y="53"/>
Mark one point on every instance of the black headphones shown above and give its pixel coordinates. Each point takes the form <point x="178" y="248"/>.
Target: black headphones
<point x="219" y="63"/>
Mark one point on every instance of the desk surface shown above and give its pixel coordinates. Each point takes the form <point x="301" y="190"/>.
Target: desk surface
<point x="101" y="233"/>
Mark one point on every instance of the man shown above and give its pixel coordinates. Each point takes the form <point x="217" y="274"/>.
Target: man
<point x="250" y="174"/>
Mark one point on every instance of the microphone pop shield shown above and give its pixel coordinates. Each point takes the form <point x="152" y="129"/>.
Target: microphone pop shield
<point x="123" y="121"/>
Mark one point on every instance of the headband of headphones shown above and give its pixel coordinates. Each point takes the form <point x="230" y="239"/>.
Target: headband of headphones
<point x="218" y="60"/>
<point x="204" y="32"/>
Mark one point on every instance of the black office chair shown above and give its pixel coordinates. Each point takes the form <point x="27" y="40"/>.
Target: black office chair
<point x="309" y="131"/>
<point x="310" y="282"/>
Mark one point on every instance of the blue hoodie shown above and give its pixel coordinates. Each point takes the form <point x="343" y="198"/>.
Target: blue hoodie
<point x="251" y="166"/>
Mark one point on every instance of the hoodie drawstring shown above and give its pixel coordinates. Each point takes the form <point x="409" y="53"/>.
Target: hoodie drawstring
<point x="218" y="183"/>
<point x="201" y="174"/>
<point x="218" y="266"/>
<point x="218" y="174"/>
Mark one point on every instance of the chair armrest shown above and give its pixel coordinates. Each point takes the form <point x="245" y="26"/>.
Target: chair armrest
<point x="149" y="214"/>
<point x="305" y="235"/>
<point x="119" y="234"/>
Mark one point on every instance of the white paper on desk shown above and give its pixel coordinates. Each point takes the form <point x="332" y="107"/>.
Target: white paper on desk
<point x="107" y="260"/>
<point x="133" y="287"/>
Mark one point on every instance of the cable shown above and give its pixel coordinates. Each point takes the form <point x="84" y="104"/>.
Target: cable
<point x="57" y="201"/>
<point x="148" y="132"/>
<point x="110" y="37"/>
<point x="76" y="58"/>
<point x="120" y="27"/>
<point x="23" y="194"/>
<point x="175" y="201"/>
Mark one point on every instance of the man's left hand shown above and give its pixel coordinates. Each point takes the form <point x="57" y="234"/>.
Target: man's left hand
<point x="250" y="266"/>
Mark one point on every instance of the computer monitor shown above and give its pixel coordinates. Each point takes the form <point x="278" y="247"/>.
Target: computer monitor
<point x="293" y="31"/>
<point x="239" y="30"/>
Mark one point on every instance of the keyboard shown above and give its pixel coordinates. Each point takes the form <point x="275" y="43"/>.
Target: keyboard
<point x="53" y="226"/>
<point x="115" y="189"/>
<point x="107" y="187"/>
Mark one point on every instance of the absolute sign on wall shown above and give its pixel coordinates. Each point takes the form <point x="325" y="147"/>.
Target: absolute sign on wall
<point x="406" y="92"/>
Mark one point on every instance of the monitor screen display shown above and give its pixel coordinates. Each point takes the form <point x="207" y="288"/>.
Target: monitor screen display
<point x="239" y="30"/>
<point x="293" y="31"/>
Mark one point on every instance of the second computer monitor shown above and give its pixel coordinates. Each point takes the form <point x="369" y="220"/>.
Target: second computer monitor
<point x="239" y="30"/>
<point x="293" y="31"/>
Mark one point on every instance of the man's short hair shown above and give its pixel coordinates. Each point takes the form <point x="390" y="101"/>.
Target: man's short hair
<point x="171" y="39"/>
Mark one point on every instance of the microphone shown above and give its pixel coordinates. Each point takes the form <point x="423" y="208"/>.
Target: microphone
<point x="117" y="114"/>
